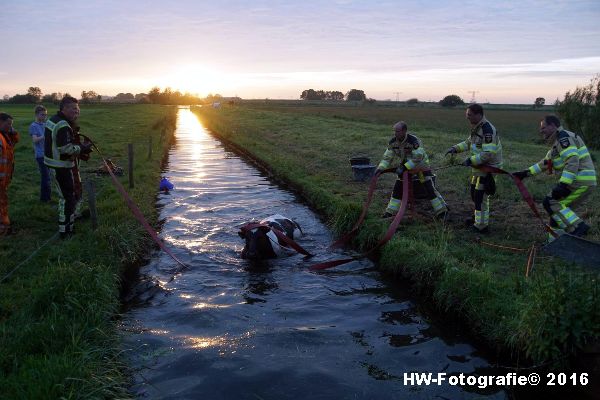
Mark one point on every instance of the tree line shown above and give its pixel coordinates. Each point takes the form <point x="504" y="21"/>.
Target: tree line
<point x="34" y="95"/>
<point x="335" y="95"/>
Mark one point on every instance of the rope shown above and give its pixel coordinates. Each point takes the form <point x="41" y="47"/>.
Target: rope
<point x="29" y="258"/>
<point x="134" y="208"/>
<point x="389" y="234"/>
<point x="348" y="236"/>
<point x="515" y="249"/>
<point x="530" y="261"/>
<point x="524" y="193"/>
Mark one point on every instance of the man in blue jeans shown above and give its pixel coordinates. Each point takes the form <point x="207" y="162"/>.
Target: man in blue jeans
<point x="36" y="130"/>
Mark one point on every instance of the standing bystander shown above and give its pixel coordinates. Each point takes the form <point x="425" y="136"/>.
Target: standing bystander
<point x="8" y="138"/>
<point x="36" y="131"/>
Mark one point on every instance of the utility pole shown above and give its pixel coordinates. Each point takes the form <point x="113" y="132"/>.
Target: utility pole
<point x="397" y="96"/>
<point x="473" y="92"/>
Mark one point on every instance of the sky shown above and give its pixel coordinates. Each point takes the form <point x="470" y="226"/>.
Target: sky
<point x="496" y="51"/>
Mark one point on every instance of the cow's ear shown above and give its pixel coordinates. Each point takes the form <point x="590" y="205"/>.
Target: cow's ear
<point x="241" y="234"/>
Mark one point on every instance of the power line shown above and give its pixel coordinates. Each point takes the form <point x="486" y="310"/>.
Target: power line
<point x="473" y="92"/>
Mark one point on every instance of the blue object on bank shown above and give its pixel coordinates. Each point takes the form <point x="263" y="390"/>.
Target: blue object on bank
<point x="165" y="185"/>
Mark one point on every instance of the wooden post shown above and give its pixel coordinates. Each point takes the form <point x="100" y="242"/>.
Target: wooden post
<point x="150" y="148"/>
<point x="130" y="152"/>
<point x="90" y="188"/>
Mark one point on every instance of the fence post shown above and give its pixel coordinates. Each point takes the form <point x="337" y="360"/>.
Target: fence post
<point x="130" y="152"/>
<point x="150" y="148"/>
<point x="90" y="188"/>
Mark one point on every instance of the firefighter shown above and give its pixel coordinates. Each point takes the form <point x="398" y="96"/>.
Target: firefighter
<point x="408" y="150"/>
<point x="485" y="149"/>
<point x="569" y="156"/>
<point x="8" y="139"/>
<point x="60" y="154"/>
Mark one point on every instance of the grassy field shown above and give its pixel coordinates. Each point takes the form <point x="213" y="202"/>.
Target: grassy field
<point x="551" y="315"/>
<point x="57" y="310"/>
<point x="512" y="123"/>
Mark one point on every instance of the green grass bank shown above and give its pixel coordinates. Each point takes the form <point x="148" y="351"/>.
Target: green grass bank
<point x="551" y="316"/>
<point x="58" y="335"/>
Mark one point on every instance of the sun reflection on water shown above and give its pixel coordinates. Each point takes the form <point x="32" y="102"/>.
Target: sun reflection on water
<point x="191" y="135"/>
<point x="224" y="343"/>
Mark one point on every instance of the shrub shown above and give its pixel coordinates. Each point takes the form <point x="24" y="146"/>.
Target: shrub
<point x="580" y="111"/>
<point x="451" y="100"/>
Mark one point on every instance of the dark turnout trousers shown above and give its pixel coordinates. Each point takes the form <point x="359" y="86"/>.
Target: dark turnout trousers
<point x="67" y="200"/>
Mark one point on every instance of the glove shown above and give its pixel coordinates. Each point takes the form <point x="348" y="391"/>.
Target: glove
<point x="560" y="191"/>
<point x="451" y="150"/>
<point x="521" y="174"/>
<point x="467" y="162"/>
<point x="400" y="170"/>
<point x="86" y="148"/>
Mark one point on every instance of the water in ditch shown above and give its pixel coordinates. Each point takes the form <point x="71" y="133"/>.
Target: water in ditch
<point x="227" y="329"/>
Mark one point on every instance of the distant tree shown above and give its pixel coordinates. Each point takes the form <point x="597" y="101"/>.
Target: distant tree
<point x="53" y="98"/>
<point x="35" y="93"/>
<point x="451" y="100"/>
<point x="310" y="94"/>
<point x="141" y="98"/>
<point x="412" y="102"/>
<point x="154" y="95"/>
<point x="355" y="95"/>
<point x="334" y="95"/>
<point x="21" y="99"/>
<point x="5" y="97"/>
<point x="168" y="96"/>
<point x="89" y="97"/>
<point x="124" y="97"/>
<point x="213" y="98"/>
<point x="580" y="111"/>
<point x="539" y="102"/>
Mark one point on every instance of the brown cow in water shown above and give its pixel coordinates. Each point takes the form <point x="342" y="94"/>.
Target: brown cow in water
<point x="262" y="243"/>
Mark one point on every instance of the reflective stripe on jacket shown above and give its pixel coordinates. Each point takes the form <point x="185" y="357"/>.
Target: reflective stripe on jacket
<point x="484" y="145"/>
<point x="409" y="152"/>
<point x="59" y="150"/>
<point x="569" y="155"/>
<point x="7" y="155"/>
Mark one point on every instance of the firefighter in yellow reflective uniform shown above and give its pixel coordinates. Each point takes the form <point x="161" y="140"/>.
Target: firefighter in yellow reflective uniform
<point x="60" y="154"/>
<point x="408" y="150"/>
<point x="570" y="156"/>
<point x="485" y="149"/>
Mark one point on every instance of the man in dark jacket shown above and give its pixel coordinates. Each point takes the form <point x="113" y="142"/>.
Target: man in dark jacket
<point x="61" y="154"/>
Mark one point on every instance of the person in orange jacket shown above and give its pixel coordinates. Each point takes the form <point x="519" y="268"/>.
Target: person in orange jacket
<point x="8" y="138"/>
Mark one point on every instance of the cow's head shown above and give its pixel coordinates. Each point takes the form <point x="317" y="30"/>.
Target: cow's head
<point x="258" y="244"/>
